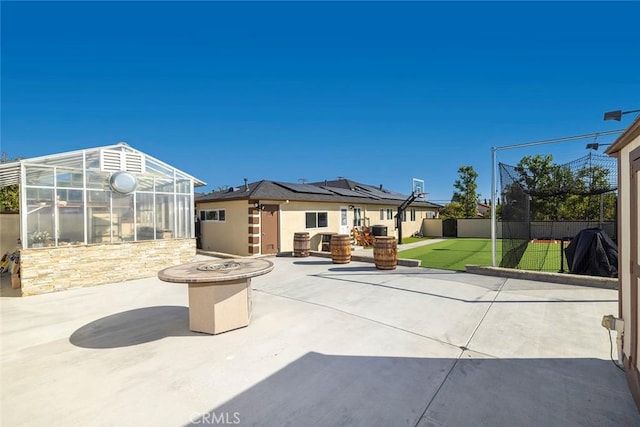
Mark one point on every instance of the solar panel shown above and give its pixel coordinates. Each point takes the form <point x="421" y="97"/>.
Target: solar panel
<point x="304" y="188"/>
<point x="345" y="192"/>
<point x="382" y="194"/>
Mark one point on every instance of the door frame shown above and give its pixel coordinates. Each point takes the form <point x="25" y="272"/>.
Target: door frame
<point x="269" y="208"/>
<point x="344" y="220"/>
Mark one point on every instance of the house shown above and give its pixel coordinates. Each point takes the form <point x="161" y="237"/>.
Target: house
<point x="627" y="149"/>
<point x="483" y="209"/>
<point x="99" y="215"/>
<point x="261" y="217"/>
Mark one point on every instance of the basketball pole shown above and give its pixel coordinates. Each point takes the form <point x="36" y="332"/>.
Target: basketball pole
<point x="494" y="155"/>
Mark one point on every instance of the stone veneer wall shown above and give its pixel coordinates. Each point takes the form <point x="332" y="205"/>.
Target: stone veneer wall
<point x="45" y="270"/>
<point x="254" y="230"/>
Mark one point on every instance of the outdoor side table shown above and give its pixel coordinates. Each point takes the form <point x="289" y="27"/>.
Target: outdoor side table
<point x="219" y="291"/>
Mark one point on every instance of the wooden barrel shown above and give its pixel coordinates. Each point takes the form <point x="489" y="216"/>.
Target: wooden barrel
<point x="385" y="252"/>
<point x="341" y="248"/>
<point x="301" y="244"/>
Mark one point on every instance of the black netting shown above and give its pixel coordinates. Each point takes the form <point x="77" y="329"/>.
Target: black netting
<point x="544" y="205"/>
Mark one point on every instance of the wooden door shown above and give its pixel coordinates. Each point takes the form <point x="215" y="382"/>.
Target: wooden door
<point x="269" y="230"/>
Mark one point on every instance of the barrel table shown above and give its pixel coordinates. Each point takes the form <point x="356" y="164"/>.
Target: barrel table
<point x="341" y="248"/>
<point x="219" y="291"/>
<point x="301" y="244"/>
<point x="385" y="252"/>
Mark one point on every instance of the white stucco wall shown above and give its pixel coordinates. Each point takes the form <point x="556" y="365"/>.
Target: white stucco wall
<point x="229" y="236"/>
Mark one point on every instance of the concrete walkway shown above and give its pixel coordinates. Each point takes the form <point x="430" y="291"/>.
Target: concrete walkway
<point x="328" y="345"/>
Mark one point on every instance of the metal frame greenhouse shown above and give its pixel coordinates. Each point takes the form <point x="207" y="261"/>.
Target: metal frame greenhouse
<point x="101" y="195"/>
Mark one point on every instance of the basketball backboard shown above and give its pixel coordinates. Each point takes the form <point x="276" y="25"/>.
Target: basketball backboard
<point x="417" y="186"/>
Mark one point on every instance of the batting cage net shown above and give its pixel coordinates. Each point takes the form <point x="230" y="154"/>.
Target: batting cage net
<point x="544" y="205"/>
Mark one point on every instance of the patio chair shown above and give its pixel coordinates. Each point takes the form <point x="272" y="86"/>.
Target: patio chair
<point x="360" y="239"/>
<point x="368" y="237"/>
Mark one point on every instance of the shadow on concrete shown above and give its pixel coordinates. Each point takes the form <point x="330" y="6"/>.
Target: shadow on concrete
<point x="359" y="268"/>
<point x="374" y="272"/>
<point x="347" y="279"/>
<point x="134" y="327"/>
<point x="319" y="389"/>
<point x="312" y="262"/>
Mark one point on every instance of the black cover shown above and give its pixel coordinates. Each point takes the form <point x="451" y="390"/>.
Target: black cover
<point x="593" y="253"/>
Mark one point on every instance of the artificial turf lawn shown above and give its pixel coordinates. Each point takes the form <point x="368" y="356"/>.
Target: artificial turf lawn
<point x="454" y="254"/>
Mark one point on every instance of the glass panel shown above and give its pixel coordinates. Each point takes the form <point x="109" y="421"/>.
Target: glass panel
<point x="40" y="176"/>
<point x="70" y="217"/>
<point x="183" y="184"/>
<point x="40" y="217"/>
<point x="164" y="185"/>
<point x="159" y="170"/>
<point x="184" y="219"/>
<point x="96" y="179"/>
<point x="145" y="183"/>
<point x="69" y="160"/>
<point x="69" y="178"/>
<point x="93" y="159"/>
<point x="99" y="217"/>
<point x="164" y="213"/>
<point x="357" y="217"/>
<point x="310" y="218"/>
<point x="322" y="219"/>
<point x="144" y="216"/>
<point x="122" y="217"/>
<point x="221" y="215"/>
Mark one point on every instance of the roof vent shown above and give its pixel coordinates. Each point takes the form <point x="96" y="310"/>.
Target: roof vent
<point x="116" y="161"/>
<point x="246" y="184"/>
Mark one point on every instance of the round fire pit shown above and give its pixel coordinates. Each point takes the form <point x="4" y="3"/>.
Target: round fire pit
<point x="219" y="266"/>
<point x="219" y="292"/>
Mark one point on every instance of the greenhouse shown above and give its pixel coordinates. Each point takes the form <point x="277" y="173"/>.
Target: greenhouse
<point x="109" y="195"/>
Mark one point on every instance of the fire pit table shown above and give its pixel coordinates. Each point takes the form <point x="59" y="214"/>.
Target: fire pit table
<point x="219" y="291"/>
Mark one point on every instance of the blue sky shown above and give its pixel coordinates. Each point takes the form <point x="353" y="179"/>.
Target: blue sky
<point x="376" y="92"/>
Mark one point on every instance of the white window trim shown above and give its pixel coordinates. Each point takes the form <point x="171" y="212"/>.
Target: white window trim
<point x="203" y="211"/>
<point x="316" y="215"/>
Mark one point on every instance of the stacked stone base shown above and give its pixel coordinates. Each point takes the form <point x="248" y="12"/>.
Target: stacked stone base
<point x="55" y="269"/>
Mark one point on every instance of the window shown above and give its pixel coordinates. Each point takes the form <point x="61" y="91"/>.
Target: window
<point x="404" y="215"/>
<point x="381" y="214"/>
<point x="389" y="213"/>
<point x="413" y="214"/>
<point x="357" y="217"/>
<point x="213" y="215"/>
<point x="316" y="219"/>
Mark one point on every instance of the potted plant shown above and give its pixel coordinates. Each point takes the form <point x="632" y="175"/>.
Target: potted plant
<point x="39" y="237"/>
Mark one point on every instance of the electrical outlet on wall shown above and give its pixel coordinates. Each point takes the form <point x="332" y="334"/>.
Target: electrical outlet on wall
<point x="609" y="322"/>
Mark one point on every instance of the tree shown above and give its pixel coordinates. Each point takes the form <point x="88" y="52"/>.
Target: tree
<point x="9" y="194"/>
<point x="556" y="192"/>
<point x="452" y="210"/>
<point x="467" y="195"/>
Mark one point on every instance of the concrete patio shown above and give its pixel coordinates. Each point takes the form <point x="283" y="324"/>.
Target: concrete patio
<point x="328" y="345"/>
